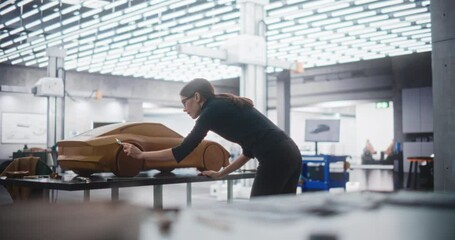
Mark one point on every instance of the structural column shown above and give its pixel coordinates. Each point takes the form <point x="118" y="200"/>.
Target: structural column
<point x="443" y="68"/>
<point x="55" y="105"/>
<point x="252" y="80"/>
<point x="283" y="100"/>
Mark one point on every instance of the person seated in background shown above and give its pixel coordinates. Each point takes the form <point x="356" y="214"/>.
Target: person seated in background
<point x="367" y="154"/>
<point x="369" y="151"/>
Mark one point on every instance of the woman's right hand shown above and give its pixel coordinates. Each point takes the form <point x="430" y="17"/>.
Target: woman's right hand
<point x="132" y="151"/>
<point x="211" y="174"/>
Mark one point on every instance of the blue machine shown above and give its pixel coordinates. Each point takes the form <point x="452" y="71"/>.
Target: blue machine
<point x="324" y="182"/>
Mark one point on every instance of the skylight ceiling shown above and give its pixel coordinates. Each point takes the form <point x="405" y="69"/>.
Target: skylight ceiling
<point x="139" y="38"/>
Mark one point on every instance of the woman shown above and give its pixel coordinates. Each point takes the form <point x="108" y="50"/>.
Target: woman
<point x="235" y="119"/>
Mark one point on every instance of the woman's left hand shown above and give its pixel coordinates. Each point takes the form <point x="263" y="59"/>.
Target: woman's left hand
<point x="211" y="174"/>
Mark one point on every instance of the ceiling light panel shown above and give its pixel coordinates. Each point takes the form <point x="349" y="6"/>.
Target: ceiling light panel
<point x="138" y="37"/>
<point x="361" y="24"/>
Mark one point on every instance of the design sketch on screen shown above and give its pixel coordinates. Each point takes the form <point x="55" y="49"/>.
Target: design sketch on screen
<point x="322" y="130"/>
<point x="24" y="128"/>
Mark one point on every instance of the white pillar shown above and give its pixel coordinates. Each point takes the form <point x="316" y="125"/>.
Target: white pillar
<point x="252" y="80"/>
<point x="55" y="105"/>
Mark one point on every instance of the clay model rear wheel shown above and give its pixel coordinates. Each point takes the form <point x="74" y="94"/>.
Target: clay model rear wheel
<point x="213" y="157"/>
<point x="126" y="166"/>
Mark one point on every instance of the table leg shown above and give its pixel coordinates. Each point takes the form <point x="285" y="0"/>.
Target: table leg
<point x="188" y="194"/>
<point x="158" y="196"/>
<point x="114" y="194"/>
<point x="230" y="185"/>
<point x="86" y="195"/>
<point x="46" y="195"/>
<point x="416" y="166"/>
<point x="408" y="183"/>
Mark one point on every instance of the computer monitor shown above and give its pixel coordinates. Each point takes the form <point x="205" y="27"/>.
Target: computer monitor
<point x="322" y="130"/>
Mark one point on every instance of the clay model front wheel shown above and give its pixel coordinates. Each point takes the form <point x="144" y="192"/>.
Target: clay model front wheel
<point x="126" y="166"/>
<point x="213" y="157"/>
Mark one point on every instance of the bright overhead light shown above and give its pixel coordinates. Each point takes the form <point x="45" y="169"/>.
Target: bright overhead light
<point x="7" y="10"/>
<point x="200" y="7"/>
<point x="360" y="2"/>
<point x="373" y="19"/>
<point x="12" y="21"/>
<point x="312" y="18"/>
<point x="418" y="17"/>
<point x="111" y="16"/>
<point x="136" y="7"/>
<point x="181" y="4"/>
<point x="48" y="5"/>
<point x="280" y="25"/>
<point x="70" y="9"/>
<point x="273" y="5"/>
<point x="22" y="3"/>
<point x="91" y="13"/>
<point x="219" y="11"/>
<point x="409" y="12"/>
<point x="71" y="20"/>
<point x="32" y="24"/>
<point x="325" y="22"/>
<point x="332" y="7"/>
<point x="398" y="8"/>
<point x="360" y="15"/>
<point x="51" y="16"/>
<point x="347" y="11"/>
<point x="384" y="3"/>
<point x="52" y="27"/>
<point x="283" y="10"/>
<point x="30" y="13"/>
<point x="19" y="39"/>
<point x="17" y="30"/>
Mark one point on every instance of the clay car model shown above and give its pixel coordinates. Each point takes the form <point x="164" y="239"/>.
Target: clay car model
<point x="97" y="150"/>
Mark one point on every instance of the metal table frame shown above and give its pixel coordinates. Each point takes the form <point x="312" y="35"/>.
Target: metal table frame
<point x="103" y="181"/>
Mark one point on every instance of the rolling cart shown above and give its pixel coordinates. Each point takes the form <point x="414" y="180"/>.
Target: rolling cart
<point x="326" y="179"/>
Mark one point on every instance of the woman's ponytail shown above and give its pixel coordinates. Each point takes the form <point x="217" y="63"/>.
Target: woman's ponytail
<point x="239" y="101"/>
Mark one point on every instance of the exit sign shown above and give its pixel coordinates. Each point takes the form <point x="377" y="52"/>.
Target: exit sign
<point x="381" y="105"/>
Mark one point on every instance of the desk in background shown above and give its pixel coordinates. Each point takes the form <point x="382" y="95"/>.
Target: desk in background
<point x="416" y="176"/>
<point x="375" y="177"/>
<point x="108" y="180"/>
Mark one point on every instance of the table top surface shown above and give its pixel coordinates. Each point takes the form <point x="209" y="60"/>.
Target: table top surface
<point x="72" y="182"/>
<point x="372" y="166"/>
<point x="420" y="159"/>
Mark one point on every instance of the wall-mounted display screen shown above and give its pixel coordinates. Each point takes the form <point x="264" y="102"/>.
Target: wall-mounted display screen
<point x="322" y="130"/>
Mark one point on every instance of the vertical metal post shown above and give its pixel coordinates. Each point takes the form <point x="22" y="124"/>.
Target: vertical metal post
<point x="230" y="191"/>
<point x="86" y="195"/>
<point x="114" y="194"/>
<point x="158" y="196"/>
<point x="46" y="195"/>
<point x="188" y="194"/>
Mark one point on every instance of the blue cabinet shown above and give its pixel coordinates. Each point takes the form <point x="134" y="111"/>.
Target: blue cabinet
<point x="326" y="179"/>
